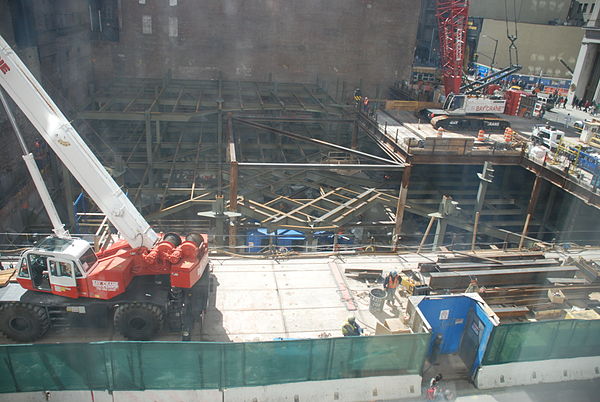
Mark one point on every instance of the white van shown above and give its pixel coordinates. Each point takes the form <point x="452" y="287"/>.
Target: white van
<point x="547" y="136"/>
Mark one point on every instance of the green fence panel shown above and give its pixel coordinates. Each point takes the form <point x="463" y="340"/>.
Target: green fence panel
<point x="174" y="366"/>
<point x="556" y="339"/>
<point x="40" y="367"/>
<point x="277" y="362"/>
<point x="200" y="365"/>
<point x="319" y="359"/>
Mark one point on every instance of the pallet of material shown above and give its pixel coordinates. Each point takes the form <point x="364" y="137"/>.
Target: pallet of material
<point x="498" y="277"/>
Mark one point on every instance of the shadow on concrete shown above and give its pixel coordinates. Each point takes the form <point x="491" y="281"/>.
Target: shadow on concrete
<point x="212" y="328"/>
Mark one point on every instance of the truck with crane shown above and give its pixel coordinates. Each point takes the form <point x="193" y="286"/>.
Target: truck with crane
<point x="143" y="282"/>
<point x="468" y="106"/>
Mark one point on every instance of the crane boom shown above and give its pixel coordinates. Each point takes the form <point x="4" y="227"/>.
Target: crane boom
<point x="64" y="140"/>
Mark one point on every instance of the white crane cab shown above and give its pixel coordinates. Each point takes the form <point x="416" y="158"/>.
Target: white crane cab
<point x="56" y="265"/>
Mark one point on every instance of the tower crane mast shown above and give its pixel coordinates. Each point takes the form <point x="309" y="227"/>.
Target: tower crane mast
<point x="452" y="16"/>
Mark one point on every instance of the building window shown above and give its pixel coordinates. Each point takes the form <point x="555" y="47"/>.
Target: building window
<point x="592" y="7"/>
<point x="172" y="3"/>
<point x="585" y="8"/>
<point x="173" y="32"/>
<point x="146" y="24"/>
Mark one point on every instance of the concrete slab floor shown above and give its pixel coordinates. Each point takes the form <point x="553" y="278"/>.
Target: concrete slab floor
<point x="262" y="299"/>
<point x="296" y="298"/>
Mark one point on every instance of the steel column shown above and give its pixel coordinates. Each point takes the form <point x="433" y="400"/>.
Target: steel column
<point x="401" y="205"/>
<point x="149" y="149"/>
<point x="535" y="192"/>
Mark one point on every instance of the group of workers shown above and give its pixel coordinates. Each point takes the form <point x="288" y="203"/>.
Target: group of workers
<point x="361" y="102"/>
<point x="390" y="284"/>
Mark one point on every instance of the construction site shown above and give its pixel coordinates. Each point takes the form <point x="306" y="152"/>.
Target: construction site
<point x="295" y="201"/>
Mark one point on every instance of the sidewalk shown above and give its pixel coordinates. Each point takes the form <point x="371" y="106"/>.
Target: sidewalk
<point x="560" y="115"/>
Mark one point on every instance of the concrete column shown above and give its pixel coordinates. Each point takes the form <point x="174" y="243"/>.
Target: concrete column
<point x="582" y="71"/>
<point x="585" y="62"/>
<point x="440" y="233"/>
<point x="571" y="218"/>
<point x="355" y="134"/>
<point x="548" y="210"/>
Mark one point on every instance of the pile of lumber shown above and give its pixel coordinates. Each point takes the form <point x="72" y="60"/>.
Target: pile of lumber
<point x="6" y="275"/>
<point x="364" y="273"/>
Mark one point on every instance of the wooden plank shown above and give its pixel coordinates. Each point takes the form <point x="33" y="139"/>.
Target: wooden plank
<point x="363" y="270"/>
<point x="502" y="255"/>
<point x="466" y="266"/>
<point x="579" y="281"/>
<point x="6" y="275"/>
<point x="515" y="311"/>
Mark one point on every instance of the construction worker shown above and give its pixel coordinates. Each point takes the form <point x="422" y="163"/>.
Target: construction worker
<point x="351" y="328"/>
<point x="358" y="98"/>
<point x="390" y="285"/>
<point x="473" y="286"/>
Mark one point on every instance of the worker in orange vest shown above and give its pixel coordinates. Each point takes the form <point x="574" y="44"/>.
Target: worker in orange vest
<point x="366" y="104"/>
<point x="390" y="285"/>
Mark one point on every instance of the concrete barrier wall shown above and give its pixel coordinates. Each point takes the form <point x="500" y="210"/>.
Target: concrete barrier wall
<point x="537" y="372"/>
<point x="347" y="390"/>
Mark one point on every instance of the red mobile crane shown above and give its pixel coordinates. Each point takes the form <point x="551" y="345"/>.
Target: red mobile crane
<point x="144" y="281"/>
<point x="464" y="107"/>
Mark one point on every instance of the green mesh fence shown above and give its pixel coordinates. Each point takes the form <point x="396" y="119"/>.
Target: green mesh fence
<point x="199" y="365"/>
<point x="544" y="340"/>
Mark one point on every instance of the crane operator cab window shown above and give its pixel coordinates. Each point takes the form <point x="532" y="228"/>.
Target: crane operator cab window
<point x="454" y="102"/>
<point x="38" y="268"/>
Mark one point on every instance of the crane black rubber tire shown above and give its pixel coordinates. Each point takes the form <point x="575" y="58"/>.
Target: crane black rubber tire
<point x="138" y="321"/>
<point x="23" y="322"/>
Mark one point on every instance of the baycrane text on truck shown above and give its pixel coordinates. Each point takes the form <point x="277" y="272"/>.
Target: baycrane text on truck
<point x="143" y="281"/>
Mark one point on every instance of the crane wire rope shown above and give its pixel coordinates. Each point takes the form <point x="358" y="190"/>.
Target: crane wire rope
<point x="512" y="38"/>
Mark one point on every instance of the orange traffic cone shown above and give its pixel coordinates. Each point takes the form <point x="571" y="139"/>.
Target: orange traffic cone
<point x="508" y="134"/>
<point x="481" y="135"/>
<point x="440" y="132"/>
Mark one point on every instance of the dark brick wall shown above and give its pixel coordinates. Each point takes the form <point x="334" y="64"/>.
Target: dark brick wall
<point x="59" y="53"/>
<point x="289" y="40"/>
